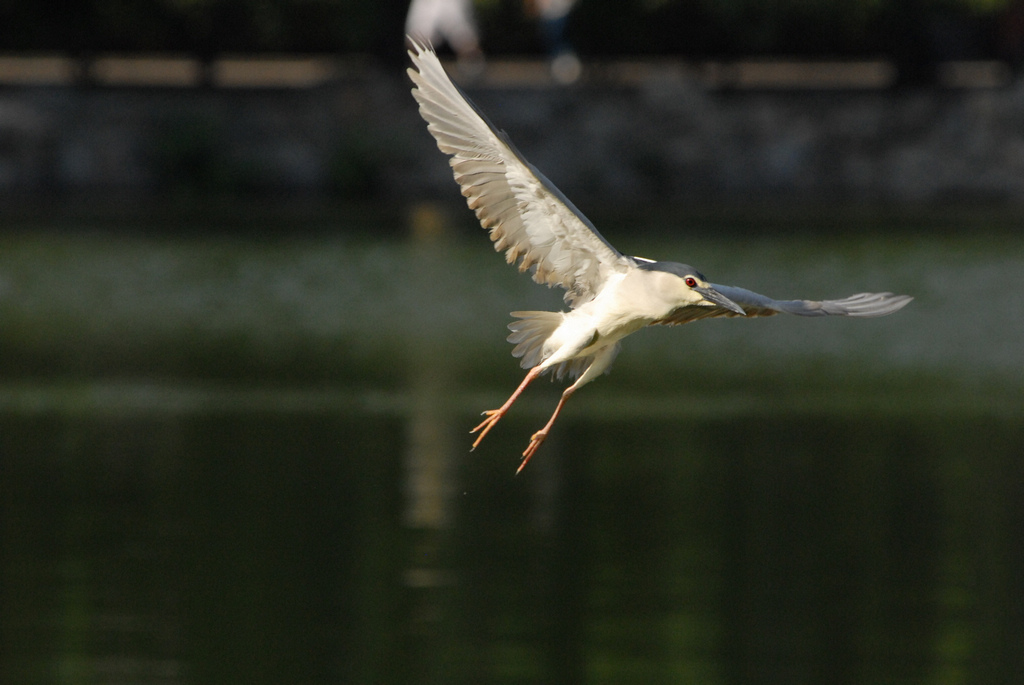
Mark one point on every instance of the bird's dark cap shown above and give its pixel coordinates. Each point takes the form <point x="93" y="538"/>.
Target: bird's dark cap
<point x="674" y="268"/>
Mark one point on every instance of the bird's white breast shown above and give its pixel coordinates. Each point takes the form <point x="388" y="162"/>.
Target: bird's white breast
<point x="627" y="303"/>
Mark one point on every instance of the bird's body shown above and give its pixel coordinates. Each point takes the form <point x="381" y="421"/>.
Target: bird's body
<point x="610" y="295"/>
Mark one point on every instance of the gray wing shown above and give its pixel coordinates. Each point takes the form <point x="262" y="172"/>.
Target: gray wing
<point x="863" y="305"/>
<point x="527" y="216"/>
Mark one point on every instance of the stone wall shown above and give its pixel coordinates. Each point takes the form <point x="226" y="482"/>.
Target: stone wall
<point x="663" y="137"/>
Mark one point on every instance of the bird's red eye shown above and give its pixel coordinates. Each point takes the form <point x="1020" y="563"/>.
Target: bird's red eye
<point x="691" y="281"/>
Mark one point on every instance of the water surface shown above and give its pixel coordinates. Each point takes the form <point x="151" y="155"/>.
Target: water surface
<point x="229" y="460"/>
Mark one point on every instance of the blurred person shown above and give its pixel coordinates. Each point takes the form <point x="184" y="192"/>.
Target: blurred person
<point x="451" y="22"/>
<point x="552" y="16"/>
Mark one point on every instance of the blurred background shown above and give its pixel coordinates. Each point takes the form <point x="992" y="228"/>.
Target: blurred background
<point x="246" y="322"/>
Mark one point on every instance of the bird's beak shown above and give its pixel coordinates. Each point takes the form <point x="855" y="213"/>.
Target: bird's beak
<point x="714" y="297"/>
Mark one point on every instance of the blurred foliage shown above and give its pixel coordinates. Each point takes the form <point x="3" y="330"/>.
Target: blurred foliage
<point x="691" y="27"/>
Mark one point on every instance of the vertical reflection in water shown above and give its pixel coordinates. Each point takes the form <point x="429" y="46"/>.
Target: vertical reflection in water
<point x="428" y="476"/>
<point x="557" y="504"/>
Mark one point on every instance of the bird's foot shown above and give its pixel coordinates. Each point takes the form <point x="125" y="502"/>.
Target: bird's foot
<point x="493" y="416"/>
<point x="531" y="449"/>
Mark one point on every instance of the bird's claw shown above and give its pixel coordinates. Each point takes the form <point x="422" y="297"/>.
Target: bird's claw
<point x="493" y="415"/>
<point x="492" y="418"/>
<point x="535" y="442"/>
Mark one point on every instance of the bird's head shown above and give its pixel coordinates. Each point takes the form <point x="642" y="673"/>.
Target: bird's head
<point x="688" y="286"/>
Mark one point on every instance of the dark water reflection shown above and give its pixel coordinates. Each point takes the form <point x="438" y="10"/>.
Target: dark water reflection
<point x="366" y="548"/>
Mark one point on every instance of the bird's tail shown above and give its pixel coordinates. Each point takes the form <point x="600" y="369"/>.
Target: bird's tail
<point x="529" y="333"/>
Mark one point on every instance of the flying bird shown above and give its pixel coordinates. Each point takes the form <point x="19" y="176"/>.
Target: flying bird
<point x="610" y="295"/>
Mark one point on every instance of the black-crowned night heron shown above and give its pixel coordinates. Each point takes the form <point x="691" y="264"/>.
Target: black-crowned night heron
<point x="609" y="294"/>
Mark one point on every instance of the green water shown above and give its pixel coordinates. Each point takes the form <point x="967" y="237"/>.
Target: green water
<point x="236" y="460"/>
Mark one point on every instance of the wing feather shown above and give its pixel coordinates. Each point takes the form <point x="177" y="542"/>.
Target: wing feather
<point x="861" y="305"/>
<point x="528" y="217"/>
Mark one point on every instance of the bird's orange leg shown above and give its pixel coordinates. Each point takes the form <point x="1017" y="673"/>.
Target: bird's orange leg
<point x="539" y="436"/>
<point x="494" y="415"/>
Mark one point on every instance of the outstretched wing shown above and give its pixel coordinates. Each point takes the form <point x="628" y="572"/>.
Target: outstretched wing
<point x="861" y="305"/>
<point x="528" y="217"/>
